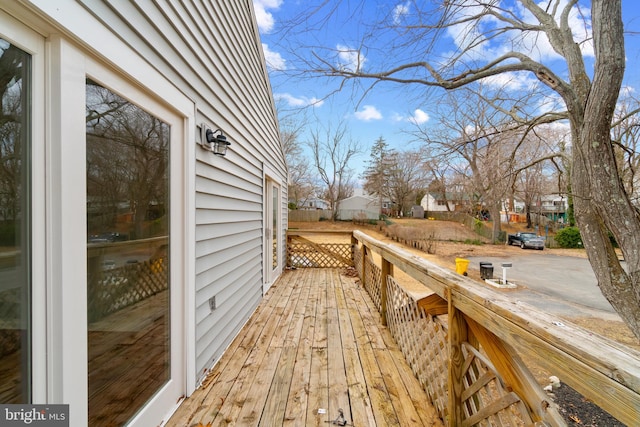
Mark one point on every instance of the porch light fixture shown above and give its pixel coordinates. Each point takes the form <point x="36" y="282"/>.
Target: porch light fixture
<point x="214" y="140"/>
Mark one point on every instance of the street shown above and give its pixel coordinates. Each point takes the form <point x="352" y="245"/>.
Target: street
<point x="567" y="284"/>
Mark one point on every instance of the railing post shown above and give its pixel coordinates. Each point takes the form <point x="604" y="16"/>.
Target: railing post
<point x="386" y="271"/>
<point x="364" y="265"/>
<point x="354" y="244"/>
<point x="288" y="262"/>
<point x="457" y="335"/>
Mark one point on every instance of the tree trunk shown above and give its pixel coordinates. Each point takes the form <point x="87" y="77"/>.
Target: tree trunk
<point x="600" y="201"/>
<point x="494" y="210"/>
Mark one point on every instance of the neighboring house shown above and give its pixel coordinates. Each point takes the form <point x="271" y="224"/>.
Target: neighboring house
<point x="131" y="255"/>
<point x="553" y="206"/>
<point x="437" y="202"/>
<point x="314" y="204"/>
<point x="358" y="207"/>
<point x="513" y="211"/>
<point x="514" y="205"/>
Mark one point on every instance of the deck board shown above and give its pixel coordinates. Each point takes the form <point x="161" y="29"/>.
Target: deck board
<point x="314" y="345"/>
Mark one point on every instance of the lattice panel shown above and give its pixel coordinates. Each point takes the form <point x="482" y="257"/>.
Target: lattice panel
<point x="485" y="401"/>
<point x="423" y="342"/>
<point x="372" y="283"/>
<point x="115" y="289"/>
<point x="318" y="255"/>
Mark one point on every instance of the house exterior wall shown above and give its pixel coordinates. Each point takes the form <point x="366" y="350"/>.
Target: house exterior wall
<point x="208" y="56"/>
<point x="354" y="206"/>
<point x="430" y="204"/>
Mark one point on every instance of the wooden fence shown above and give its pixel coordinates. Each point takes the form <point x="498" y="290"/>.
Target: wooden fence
<point x="464" y="342"/>
<point x="309" y="215"/>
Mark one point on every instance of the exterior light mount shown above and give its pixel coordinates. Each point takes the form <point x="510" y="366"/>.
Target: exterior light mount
<point x="214" y="140"/>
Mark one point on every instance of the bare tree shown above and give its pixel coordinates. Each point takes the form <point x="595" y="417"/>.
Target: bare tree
<point x="626" y="135"/>
<point x="441" y="171"/>
<point x="12" y="134"/>
<point x="601" y="203"/>
<point x="333" y="151"/>
<point x="407" y="179"/>
<point x="301" y="183"/>
<point x="479" y="144"/>
<point x="543" y="152"/>
<point x="127" y="161"/>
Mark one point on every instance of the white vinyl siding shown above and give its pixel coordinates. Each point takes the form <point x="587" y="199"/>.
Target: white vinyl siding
<point x="211" y="52"/>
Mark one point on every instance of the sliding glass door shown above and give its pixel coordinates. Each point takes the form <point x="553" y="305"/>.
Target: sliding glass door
<point x="15" y="225"/>
<point x="128" y="257"/>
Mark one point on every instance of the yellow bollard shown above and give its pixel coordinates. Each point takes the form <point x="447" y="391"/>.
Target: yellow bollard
<point x="461" y="266"/>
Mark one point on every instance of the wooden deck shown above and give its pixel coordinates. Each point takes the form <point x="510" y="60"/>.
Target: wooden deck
<point x="314" y="347"/>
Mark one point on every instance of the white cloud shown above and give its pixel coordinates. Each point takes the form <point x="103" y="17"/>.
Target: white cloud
<point x="396" y="117"/>
<point x="368" y="113"/>
<point x="350" y="59"/>
<point x="534" y="44"/>
<point x="303" y="101"/>
<point x="537" y="45"/>
<point x="512" y="81"/>
<point x="419" y="117"/>
<point x="626" y="91"/>
<point x="550" y="103"/>
<point x="263" y="17"/>
<point x="399" y="11"/>
<point x="274" y="60"/>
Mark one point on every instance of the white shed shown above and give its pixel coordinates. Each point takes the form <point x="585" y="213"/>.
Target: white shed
<point x="355" y="206"/>
<point x="131" y="254"/>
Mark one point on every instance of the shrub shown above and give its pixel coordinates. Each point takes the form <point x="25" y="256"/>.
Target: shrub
<point x="360" y="218"/>
<point x="477" y="225"/>
<point x="569" y="237"/>
<point x="476" y="242"/>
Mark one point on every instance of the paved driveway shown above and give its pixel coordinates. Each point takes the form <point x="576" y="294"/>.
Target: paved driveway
<point x="553" y="283"/>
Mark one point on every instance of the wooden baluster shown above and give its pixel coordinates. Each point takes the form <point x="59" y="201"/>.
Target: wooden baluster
<point x="387" y="270"/>
<point x="364" y="265"/>
<point x="457" y="335"/>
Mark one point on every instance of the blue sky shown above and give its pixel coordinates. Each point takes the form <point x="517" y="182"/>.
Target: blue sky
<point x="389" y="110"/>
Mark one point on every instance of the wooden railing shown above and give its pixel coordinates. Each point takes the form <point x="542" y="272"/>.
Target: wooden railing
<point x="465" y="343"/>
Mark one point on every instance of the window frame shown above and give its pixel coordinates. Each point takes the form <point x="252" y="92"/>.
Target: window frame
<point x="33" y="43"/>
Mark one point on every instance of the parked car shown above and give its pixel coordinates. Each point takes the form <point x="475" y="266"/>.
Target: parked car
<point x="526" y="240"/>
<point x="109" y="237"/>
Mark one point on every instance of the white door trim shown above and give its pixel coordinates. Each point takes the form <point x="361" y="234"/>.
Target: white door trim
<point x="167" y="399"/>
<point x="269" y="179"/>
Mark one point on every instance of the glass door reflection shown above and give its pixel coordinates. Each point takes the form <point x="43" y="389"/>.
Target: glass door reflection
<point x="15" y="225"/>
<point x="127" y="256"/>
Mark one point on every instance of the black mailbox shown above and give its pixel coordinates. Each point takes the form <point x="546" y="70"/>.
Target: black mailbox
<point x="486" y="270"/>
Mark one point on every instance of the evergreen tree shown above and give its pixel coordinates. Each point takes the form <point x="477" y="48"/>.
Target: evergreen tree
<point x="379" y="168"/>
